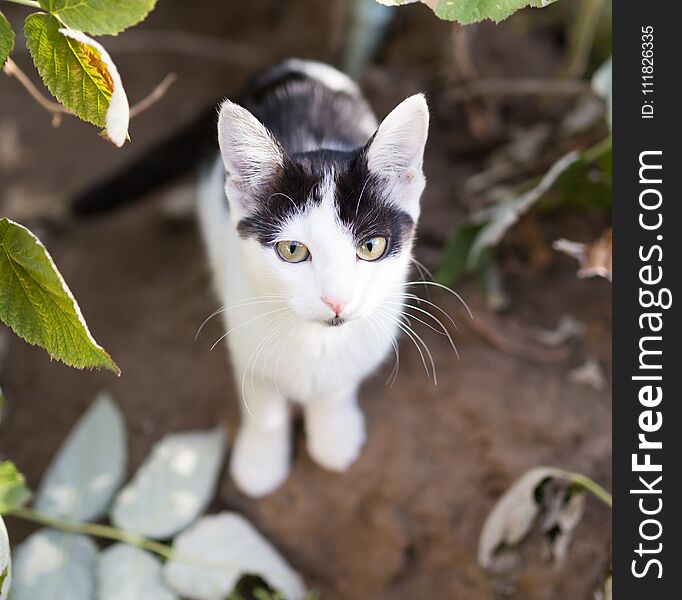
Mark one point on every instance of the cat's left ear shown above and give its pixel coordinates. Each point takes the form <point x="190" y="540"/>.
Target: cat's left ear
<point x="396" y="152"/>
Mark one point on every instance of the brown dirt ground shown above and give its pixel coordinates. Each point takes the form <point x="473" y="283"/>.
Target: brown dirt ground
<point x="403" y="522"/>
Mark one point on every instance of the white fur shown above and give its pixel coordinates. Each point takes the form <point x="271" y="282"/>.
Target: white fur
<point x="280" y="345"/>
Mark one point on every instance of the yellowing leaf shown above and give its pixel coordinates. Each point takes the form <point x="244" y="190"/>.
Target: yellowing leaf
<point x="38" y="305"/>
<point x="80" y="74"/>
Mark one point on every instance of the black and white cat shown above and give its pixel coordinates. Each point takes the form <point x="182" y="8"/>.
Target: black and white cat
<point x="310" y="255"/>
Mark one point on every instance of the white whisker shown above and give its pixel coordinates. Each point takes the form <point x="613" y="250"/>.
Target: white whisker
<point x="260" y="316"/>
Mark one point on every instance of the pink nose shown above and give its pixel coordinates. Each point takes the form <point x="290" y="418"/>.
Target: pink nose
<point x="335" y="305"/>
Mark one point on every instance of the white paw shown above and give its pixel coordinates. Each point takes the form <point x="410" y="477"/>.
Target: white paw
<point x="335" y="436"/>
<point x="260" y="459"/>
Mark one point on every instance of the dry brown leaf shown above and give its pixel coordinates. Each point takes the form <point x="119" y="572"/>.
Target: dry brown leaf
<point x="540" y="492"/>
<point x="595" y="259"/>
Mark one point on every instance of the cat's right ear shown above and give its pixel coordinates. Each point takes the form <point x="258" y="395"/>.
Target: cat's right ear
<point x="252" y="156"/>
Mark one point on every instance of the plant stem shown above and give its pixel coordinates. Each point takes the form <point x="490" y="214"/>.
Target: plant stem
<point x="598" y="149"/>
<point x="118" y="535"/>
<point x="31" y="3"/>
<point x="591" y="486"/>
<point x="582" y="37"/>
<point x="96" y="530"/>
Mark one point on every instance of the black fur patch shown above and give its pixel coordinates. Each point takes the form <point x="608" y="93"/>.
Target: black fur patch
<point x="295" y="107"/>
<point x="360" y="201"/>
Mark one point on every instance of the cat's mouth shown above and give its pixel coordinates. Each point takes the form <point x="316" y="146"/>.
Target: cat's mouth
<point x="335" y="322"/>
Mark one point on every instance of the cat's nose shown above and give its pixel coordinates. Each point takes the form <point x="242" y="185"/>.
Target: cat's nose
<point x="336" y="305"/>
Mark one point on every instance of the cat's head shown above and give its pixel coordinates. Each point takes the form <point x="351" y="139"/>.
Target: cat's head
<point x="330" y="231"/>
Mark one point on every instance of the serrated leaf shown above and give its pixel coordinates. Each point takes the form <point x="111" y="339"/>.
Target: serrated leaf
<point x="230" y="547"/>
<point x="173" y="486"/>
<point x="6" y="39"/>
<point x="472" y="11"/>
<point x="51" y="565"/>
<point x="5" y="562"/>
<point x="14" y="492"/>
<point x="128" y="573"/>
<point x="89" y="467"/>
<point x="38" y="305"/>
<point x="80" y="74"/>
<point x="99" y="17"/>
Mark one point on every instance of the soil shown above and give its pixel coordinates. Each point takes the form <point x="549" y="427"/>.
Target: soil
<point x="403" y="522"/>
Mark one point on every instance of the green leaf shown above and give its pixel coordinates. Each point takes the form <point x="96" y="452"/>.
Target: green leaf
<point x="456" y="253"/>
<point x="6" y="39"/>
<point x="180" y="466"/>
<point x="88" y="468"/>
<point x="99" y="17"/>
<point x="472" y="11"/>
<point x="38" y="305"/>
<point x="602" y="85"/>
<point x="79" y="73"/>
<point x="128" y="573"/>
<point x="52" y="565"/>
<point x="226" y="547"/>
<point x="5" y="562"/>
<point x="14" y="492"/>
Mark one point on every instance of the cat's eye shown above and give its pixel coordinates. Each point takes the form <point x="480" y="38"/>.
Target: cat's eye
<point x="372" y="248"/>
<point x="292" y="251"/>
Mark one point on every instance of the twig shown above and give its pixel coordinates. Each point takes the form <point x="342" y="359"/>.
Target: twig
<point x="518" y="87"/>
<point x="582" y="37"/>
<point x="57" y="110"/>
<point x="154" y="96"/>
<point x="515" y="348"/>
<point x="461" y="51"/>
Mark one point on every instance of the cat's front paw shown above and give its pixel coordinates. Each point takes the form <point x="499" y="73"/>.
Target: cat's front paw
<point x="260" y="460"/>
<point x="335" y="435"/>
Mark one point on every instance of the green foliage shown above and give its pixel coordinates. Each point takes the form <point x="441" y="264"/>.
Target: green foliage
<point x="38" y="305"/>
<point x="76" y="69"/>
<point x="99" y="17"/>
<point x="5" y="562"/>
<point x="577" y="180"/>
<point x="14" y="492"/>
<point x="88" y="469"/>
<point x="6" y="39"/>
<point x="73" y="72"/>
<point x="473" y="11"/>
<point x="212" y="554"/>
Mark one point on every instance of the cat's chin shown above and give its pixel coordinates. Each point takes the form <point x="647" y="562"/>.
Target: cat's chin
<point x="335" y="322"/>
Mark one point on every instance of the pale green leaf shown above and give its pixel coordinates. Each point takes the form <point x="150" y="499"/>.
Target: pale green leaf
<point x="5" y="562"/>
<point x="89" y="467"/>
<point x="128" y="573"/>
<point x="79" y="73"/>
<point x="497" y="220"/>
<point x="38" y="305"/>
<point x="603" y="86"/>
<point x="173" y="486"/>
<point x="51" y="565"/>
<point x="13" y="490"/>
<point x="6" y="39"/>
<point x="99" y="17"/>
<point x="472" y="11"/>
<point x="227" y="547"/>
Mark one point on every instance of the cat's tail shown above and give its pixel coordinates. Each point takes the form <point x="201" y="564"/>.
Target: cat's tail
<point x="176" y="156"/>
